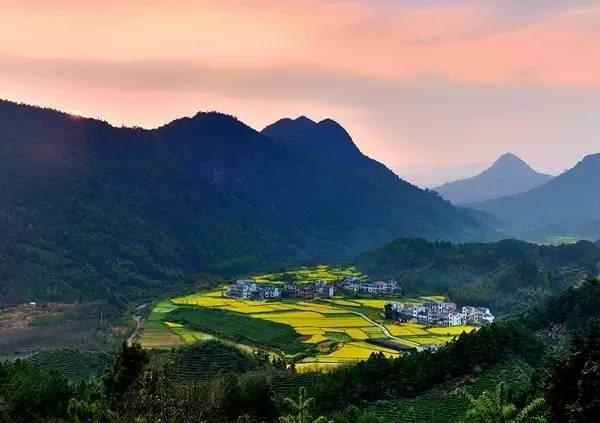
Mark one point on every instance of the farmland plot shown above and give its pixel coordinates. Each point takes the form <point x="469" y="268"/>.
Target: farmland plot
<point x="328" y="332"/>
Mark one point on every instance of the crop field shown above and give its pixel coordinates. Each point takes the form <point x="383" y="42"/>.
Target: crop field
<point x="157" y="334"/>
<point x="347" y="352"/>
<point x="330" y="332"/>
<point x="451" y="330"/>
<point x="322" y="272"/>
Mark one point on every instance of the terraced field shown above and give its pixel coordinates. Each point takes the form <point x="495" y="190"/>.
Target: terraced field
<point x="331" y="332"/>
<point x="449" y="403"/>
<point x="71" y="363"/>
<point x="202" y="362"/>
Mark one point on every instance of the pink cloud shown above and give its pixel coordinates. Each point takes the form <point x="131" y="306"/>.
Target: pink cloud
<point x="458" y="41"/>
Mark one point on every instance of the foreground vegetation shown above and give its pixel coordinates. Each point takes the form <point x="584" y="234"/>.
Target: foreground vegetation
<point x="448" y="402"/>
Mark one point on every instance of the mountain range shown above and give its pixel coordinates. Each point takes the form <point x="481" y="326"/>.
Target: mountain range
<point x="89" y="210"/>
<point x="569" y="203"/>
<point x="507" y="176"/>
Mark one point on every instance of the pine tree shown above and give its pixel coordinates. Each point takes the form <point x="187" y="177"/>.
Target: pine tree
<point x="301" y="409"/>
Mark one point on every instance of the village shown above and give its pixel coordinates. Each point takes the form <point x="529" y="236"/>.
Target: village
<point x="444" y="313"/>
<point x="248" y="289"/>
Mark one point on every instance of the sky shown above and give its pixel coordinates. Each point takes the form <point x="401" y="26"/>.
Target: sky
<point x="433" y="89"/>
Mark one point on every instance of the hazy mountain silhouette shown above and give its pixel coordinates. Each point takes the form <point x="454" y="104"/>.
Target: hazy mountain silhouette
<point x="570" y="200"/>
<point x="93" y="210"/>
<point x="507" y="176"/>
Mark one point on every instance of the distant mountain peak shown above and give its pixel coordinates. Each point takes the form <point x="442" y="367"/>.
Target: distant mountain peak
<point x="309" y="135"/>
<point x="510" y="159"/>
<point x="508" y="175"/>
<point x="569" y="201"/>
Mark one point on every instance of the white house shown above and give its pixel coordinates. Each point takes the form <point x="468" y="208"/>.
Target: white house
<point x="455" y="319"/>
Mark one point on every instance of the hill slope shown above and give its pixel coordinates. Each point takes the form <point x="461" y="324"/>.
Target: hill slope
<point x="571" y="201"/>
<point x="506" y="275"/>
<point x="507" y="176"/>
<point x="89" y="210"/>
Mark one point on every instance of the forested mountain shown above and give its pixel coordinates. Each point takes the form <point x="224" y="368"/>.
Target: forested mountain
<point x="507" y="176"/>
<point x="570" y="202"/>
<point x="89" y="210"/>
<point x="507" y="275"/>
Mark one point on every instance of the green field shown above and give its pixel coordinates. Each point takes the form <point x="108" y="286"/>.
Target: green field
<point x="239" y="327"/>
<point x="329" y="332"/>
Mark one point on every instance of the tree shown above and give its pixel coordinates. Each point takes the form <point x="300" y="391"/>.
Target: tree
<point x="301" y="409"/>
<point x="574" y="392"/>
<point x="125" y="369"/>
<point x="497" y="407"/>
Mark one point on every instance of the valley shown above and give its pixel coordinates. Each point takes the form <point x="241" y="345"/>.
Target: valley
<point x="299" y="212"/>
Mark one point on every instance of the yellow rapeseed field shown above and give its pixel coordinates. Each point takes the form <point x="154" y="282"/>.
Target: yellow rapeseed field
<point x="451" y="330"/>
<point x="315" y="339"/>
<point x="405" y="329"/>
<point x="357" y="334"/>
<point x="318" y="322"/>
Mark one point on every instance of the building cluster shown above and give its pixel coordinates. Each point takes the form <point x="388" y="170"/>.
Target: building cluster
<point x="309" y="290"/>
<point x="352" y="284"/>
<point x="441" y="313"/>
<point x="247" y="289"/>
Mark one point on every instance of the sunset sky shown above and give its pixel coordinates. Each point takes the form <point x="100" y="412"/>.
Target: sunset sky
<point x="433" y="86"/>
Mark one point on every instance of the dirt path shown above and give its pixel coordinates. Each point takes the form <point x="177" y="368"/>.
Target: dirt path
<point x="134" y="334"/>
<point x="381" y="326"/>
